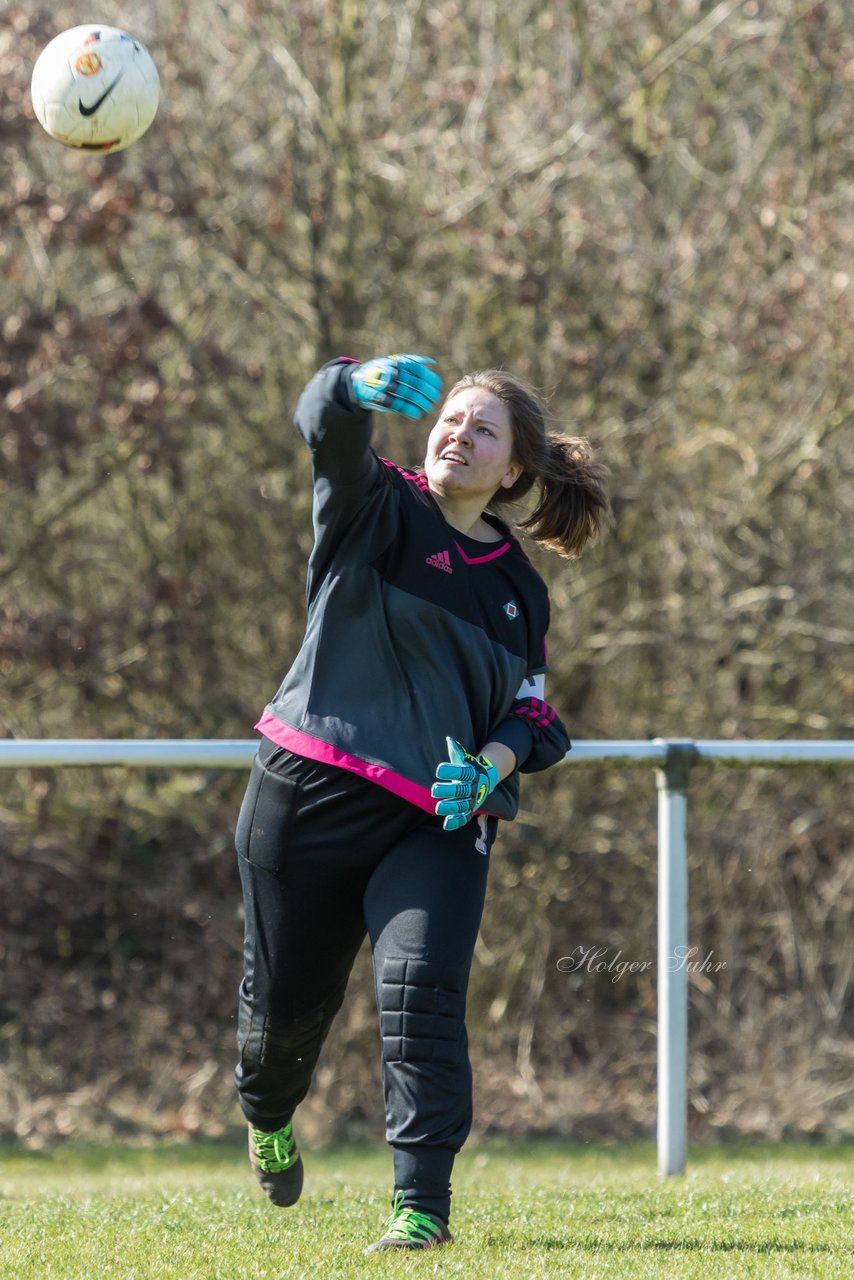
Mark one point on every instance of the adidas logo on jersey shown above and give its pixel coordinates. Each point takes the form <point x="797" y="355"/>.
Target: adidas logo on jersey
<point x="441" y="560"/>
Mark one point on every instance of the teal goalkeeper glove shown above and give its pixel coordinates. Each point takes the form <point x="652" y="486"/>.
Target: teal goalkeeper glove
<point x="463" y="782"/>
<point x="397" y="384"/>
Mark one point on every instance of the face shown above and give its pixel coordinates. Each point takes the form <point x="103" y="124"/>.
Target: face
<point x="470" y="449"/>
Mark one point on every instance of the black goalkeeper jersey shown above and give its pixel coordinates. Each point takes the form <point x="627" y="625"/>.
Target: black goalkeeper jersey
<point x="415" y="631"/>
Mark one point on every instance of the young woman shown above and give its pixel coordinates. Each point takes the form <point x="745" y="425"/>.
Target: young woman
<point x="392" y="749"/>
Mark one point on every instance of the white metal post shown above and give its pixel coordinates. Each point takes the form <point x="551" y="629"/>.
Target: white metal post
<point x="672" y="1091"/>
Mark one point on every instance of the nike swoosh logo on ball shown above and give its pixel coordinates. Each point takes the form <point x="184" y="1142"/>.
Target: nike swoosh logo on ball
<point x="90" y="111"/>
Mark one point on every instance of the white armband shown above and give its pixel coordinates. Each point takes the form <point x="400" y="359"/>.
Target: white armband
<point x="533" y="687"/>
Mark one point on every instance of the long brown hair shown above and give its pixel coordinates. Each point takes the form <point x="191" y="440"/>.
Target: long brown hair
<point x="573" y="505"/>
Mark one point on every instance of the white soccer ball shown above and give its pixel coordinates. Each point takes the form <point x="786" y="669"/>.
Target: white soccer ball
<point x="96" y="88"/>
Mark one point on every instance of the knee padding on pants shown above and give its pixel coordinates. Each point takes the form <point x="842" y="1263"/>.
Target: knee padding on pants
<point x="422" y="1012"/>
<point x="265" y="1040"/>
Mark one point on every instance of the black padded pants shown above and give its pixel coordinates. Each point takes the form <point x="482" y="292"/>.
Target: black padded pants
<point x="326" y="857"/>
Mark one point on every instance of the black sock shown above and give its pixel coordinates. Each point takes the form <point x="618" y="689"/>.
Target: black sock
<point x="423" y="1174"/>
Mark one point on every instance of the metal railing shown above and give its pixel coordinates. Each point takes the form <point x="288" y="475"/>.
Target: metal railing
<point x="672" y="758"/>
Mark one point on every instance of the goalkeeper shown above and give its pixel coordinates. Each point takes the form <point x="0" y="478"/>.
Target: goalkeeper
<point x="392" y="749"/>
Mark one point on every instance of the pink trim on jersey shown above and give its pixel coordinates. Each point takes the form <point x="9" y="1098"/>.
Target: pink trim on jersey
<point x="534" y="709"/>
<point x="420" y="481"/>
<point x="302" y="744"/>
<point x="492" y="555"/>
<point x="416" y="478"/>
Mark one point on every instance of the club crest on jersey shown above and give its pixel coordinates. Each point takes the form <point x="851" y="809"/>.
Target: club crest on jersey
<point x="511" y="609"/>
<point x="441" y="560"/>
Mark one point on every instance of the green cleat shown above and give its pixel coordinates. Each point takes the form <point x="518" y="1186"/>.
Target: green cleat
<point x="407" y="1228"/>
<point x="277" y="1163"/>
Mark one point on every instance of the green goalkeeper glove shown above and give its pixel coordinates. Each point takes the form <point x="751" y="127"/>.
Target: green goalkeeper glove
<point x="463" y="782"/>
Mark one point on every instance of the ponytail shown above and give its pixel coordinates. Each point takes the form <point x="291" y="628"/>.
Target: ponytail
<point x="572" y="506"/>
<point x="573" y="502"/>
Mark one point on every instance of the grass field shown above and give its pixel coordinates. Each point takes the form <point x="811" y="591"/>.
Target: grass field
<point x="521" y="1211"/>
